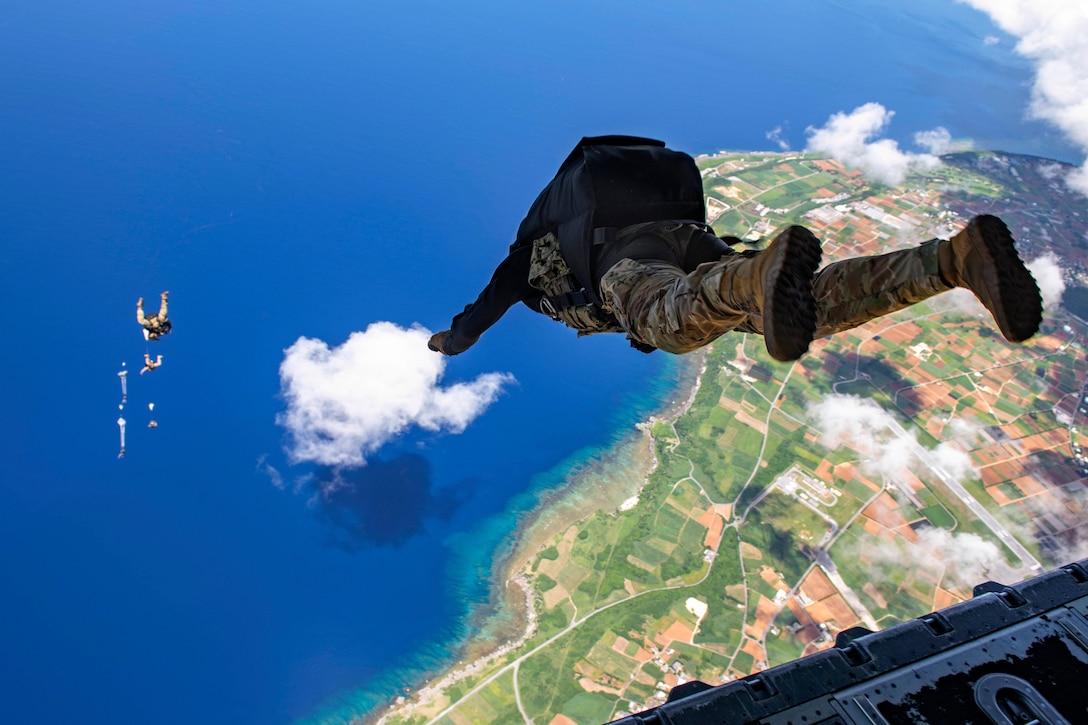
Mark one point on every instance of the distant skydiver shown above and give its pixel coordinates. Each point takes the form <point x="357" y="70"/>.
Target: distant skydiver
<point x="618" y="242"/>
<point x="150" y="364"/>
<point x="124" y="384"/>
<point x="121" y="425"/>
<point x="156" y="324"/>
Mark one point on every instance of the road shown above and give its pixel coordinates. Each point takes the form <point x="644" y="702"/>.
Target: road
<point x="851" y="597"/>
<point x="999" y="530"/>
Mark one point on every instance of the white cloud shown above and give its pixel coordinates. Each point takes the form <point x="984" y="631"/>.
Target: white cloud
<point x="1071" y="544"/>
<point x="885" y="447"/>
<point x="1048" y="275"/>
<point x="953" y="461"/>
<point x="961" y="559"/>
<point x="991" y="40"/>
<point x="848" y="137"/>
<point x="777" y="136"/>
<point x="344" y="403"/>
<point x="868" y="429"/>
<point x="1051" y="171"/>
<point x="936" y="141"/>
<point x="966" y="430"/>
<point x="270" y="471"/>
<point x="843" y="418"/>
<point x="1054" y="35"/>
<point x="1077" y="179"/>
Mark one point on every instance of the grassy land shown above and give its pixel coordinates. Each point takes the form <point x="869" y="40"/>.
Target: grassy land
<point x="620" y="595"/>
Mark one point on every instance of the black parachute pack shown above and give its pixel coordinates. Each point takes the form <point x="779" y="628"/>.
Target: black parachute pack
<point x="606" y="183"/>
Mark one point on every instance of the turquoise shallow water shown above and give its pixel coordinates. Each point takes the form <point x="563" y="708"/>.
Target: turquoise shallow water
<point x="571" y="487"/>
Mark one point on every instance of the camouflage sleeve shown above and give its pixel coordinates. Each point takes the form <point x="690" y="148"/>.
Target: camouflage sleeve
<point x="508" y="286"/>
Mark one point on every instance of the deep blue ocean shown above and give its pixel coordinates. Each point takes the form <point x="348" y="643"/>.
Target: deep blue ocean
<point x="305" y="169"/>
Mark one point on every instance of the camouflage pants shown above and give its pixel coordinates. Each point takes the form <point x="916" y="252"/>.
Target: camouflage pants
<point x="150" y="322"/>
<point x="153" y="325"/>
<point x="658" y="304"/>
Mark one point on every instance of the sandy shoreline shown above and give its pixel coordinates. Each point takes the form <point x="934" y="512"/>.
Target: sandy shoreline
<point x="425" y="695"/>
<point x="594" y="486"/>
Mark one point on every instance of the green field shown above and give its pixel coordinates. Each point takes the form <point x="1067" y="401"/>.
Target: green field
<point x="614" y="592"/>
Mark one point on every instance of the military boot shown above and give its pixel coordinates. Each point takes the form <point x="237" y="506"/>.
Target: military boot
<point x="776" y="286"/>
<point x="983" y="259"/>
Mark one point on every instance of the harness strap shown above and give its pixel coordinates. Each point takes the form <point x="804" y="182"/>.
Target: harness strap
<point x="567" y="299"/>
<point x="603" y="235"/>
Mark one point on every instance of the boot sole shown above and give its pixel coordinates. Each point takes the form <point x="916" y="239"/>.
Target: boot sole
<point x="1015" y="302"/>
<point x="789" y="313"/>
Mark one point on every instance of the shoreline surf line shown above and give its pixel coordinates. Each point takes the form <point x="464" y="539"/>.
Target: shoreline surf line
<point x="554" y="513"/>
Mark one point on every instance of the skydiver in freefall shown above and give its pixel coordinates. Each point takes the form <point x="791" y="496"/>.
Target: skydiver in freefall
<point x="670" y="283"/>
<point x="150" y="364"/>
<point x="156" y="324"/>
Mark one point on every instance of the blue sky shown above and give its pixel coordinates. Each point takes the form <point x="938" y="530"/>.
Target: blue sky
<point x="291" y="171"/>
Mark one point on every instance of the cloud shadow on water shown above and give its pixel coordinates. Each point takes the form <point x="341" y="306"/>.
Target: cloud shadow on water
<point x="384" y="503"/>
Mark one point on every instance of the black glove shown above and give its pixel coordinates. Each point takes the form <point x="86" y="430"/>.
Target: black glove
<point x="438" y="342"/>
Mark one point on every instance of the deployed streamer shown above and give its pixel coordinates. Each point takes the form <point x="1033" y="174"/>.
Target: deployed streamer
<point x="124" y="384"/>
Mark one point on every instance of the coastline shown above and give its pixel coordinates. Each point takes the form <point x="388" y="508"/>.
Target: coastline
<point x="601" y="482"/>
<point x="574" y="501"/>
<point x="500" y="611"/>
